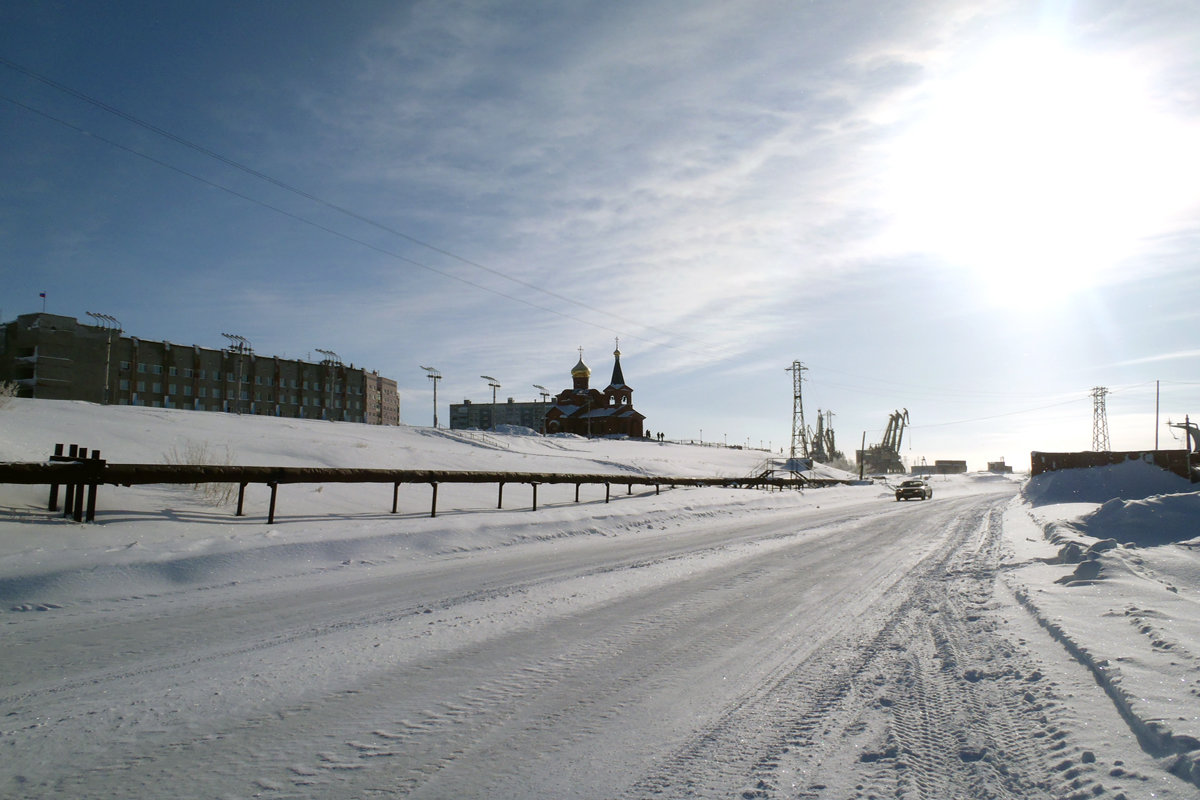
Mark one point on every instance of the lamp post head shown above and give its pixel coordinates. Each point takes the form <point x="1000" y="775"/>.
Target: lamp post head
<point x="239" y="343"/>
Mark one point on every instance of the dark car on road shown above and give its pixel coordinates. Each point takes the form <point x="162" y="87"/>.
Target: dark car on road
<point x="914" y="488"/>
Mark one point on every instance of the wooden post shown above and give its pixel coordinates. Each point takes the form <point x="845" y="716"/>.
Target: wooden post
<point x="395" y="495"/>
<point x="862" y="459"/>
<point x="630" y="491"/>
<point x="93" y="487"/>
<point x="69" y="498"/>
<point x="241" y="499"/>
<point x="577" y="493"/>
<point x="271" y="511"/>
<point x="607" y="487"/>
<point x="500" y="496"/>
<point x="433" y="505"/>
<point x="77" y="509"/>
<point x="656" y="488"/>
<point x="52" y="505"/>
<point x="534" y="485"/>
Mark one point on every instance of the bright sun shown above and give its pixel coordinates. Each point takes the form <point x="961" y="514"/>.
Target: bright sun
<point x="1037" y="169"/>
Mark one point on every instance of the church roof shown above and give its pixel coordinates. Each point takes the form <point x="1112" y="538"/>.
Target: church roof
<point x="581" y="370"/>
<point x="572" y="411"/>
<point x="618" y="378"/>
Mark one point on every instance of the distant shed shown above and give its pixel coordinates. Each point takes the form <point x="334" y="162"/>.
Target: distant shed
<point x="939" y="467"/>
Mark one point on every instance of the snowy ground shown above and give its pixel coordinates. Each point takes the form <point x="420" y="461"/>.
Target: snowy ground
<point x="1007" y="639"/>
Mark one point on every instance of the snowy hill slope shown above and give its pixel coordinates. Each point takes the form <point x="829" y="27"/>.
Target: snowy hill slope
<point x="156" y="524"/>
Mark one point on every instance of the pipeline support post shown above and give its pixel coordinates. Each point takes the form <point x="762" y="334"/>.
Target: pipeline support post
<point x="241" y="499"/>
<point x="271" y="510"/>
<point x="52" y="504"/>
<point x="94" y="486"/>
<point x="395" y="495"/>
<point x="534" y="485"/>
<point x="433" y="504"/>
<point x="76" y="509"/>
<point x="69" y="497"/>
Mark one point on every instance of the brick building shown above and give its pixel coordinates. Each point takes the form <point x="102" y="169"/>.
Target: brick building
<point x="56" y="357"/>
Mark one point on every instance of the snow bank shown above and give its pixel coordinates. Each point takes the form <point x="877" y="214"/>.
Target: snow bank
<point x="1128" y="480"/>
<point x="1148" y="522"/>
<point x="1107" y="559"/>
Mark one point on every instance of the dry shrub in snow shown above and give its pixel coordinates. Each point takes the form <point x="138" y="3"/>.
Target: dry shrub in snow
<point x="194" y="453"/>
<point x="8" y="390"/>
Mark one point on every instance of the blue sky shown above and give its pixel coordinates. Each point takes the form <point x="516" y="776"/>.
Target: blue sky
<point x="977" y="212"/>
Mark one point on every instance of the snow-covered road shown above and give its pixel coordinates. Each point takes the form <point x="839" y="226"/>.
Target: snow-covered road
<point x="855" y="651"/>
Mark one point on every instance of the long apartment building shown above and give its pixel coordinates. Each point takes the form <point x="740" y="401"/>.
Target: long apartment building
<point x="57" y="357"/>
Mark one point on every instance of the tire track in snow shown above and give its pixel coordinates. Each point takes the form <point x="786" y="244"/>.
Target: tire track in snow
<point x="923" y="700"/>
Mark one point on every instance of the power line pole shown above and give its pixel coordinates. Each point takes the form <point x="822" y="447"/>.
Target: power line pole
<point x="799" y="448"/>
<point x="435" y="376"/>
<point x="1099" y="420"/>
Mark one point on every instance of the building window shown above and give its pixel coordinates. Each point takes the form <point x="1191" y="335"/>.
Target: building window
<point x="157" y="387"/>
<point x="142" y="368"/>
<point x="141" y="386"/>
<point x="171" y="388"/>
<point x="187" y="391"/>
<point x="187" y="372"/>
<point x="123" y="384"/>
<point x="156" y="369"/>
<point x="172" y="371"/>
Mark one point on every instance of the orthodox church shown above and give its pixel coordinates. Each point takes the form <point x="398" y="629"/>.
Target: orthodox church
<point x="590" y="412"/>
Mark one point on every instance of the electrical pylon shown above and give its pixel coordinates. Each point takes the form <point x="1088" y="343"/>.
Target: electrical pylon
<point x="1099" y="420"/>
<point x="799" y="447"/>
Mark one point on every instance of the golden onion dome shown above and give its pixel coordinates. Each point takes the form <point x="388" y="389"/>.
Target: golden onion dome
<point x="581" y="370"/>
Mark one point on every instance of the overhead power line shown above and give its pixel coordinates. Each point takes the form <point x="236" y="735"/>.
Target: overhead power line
<point x="314" y="198"/>
<point x="303" y="220"/>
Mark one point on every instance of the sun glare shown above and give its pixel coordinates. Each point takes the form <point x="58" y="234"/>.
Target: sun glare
<point x="1038" y="169"/>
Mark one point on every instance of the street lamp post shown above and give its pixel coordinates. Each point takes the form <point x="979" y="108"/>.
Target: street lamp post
<point x="332" y="361"/>
<point x="495" y="384"/>
<point x="434" y="376"/>
<point x="545" y="399"/>
<point x="109" y="324"/>
<point x="241" y="346"/>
